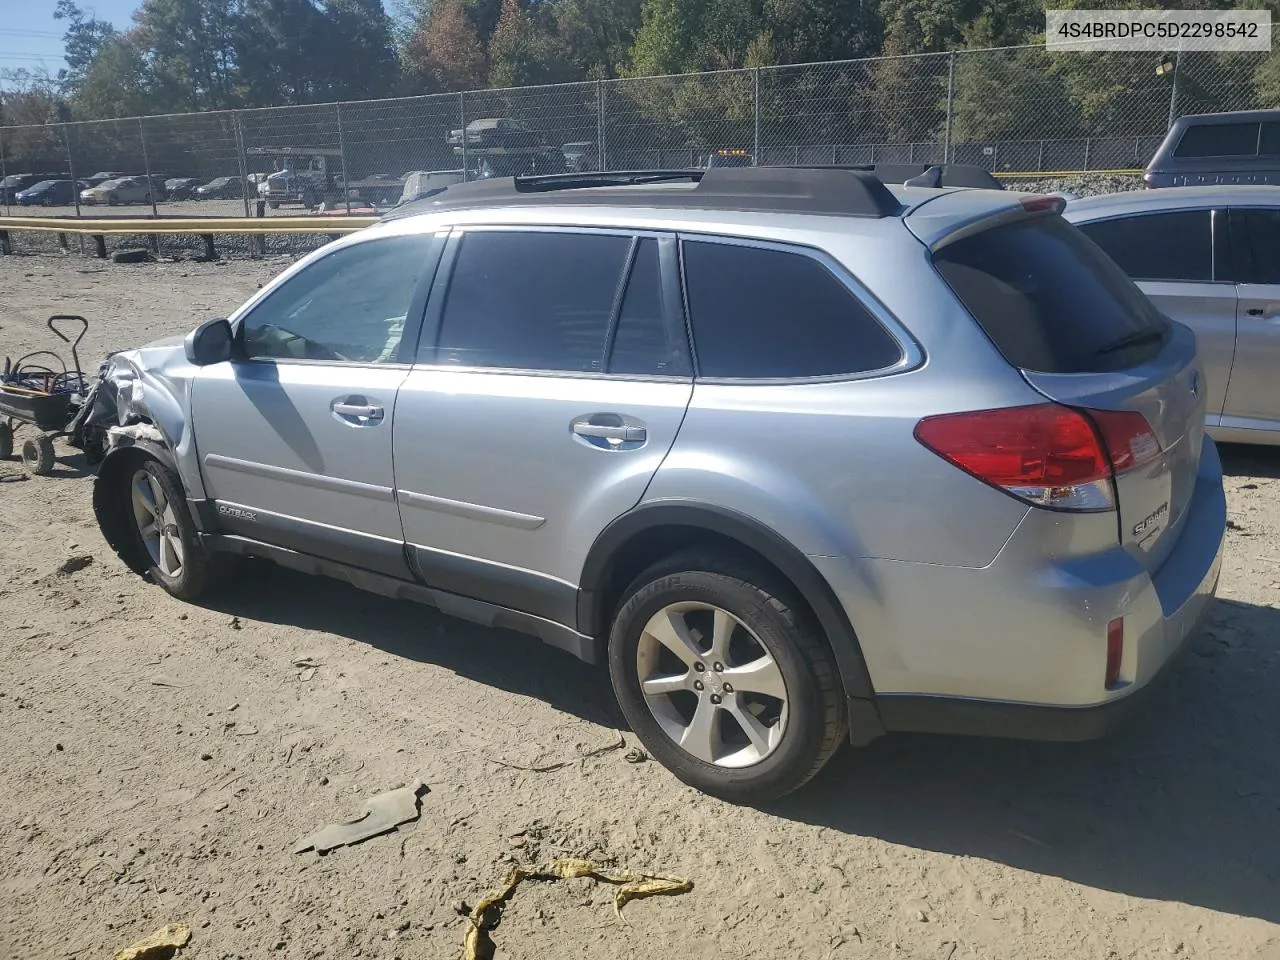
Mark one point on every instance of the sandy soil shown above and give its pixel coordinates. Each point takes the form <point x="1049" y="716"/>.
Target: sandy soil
<point x="159" y="760"/>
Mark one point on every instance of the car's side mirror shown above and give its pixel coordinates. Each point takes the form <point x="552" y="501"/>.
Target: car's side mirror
<point x="209" y="343"/>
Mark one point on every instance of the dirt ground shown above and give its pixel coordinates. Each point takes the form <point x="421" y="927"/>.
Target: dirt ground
<point x="158" y="762"/>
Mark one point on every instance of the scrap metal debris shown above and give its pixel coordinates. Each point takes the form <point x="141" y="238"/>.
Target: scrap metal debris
<point x="161" y="945"/>
<point x="382" y="814"/>
<point x="307" y="668"/>
<point x="478" y="944"/>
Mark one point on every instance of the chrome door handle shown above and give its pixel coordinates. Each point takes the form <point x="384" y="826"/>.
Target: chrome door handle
<point x="601" y="432"/>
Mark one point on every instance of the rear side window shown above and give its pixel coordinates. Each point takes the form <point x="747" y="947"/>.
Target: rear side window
<point x="1261" y="235"/>
<point x="768" y="313"/>
<point x="1159" y="246"/>
<point x="1219" y="140"/>
<point x="1269" y="142"/>
<point x="1050" y="300"/>
<point x="532" y="300"/>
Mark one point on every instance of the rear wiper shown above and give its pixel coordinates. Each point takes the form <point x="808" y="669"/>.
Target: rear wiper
<point x="1136" y="339"/>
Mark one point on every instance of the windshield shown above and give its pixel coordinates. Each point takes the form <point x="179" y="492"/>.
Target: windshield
<point x="1050" y="299"/>
<point x="42" y="185"/>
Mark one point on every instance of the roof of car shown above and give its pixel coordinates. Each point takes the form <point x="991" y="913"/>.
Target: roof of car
<point x="1234" y="116"/>
<point x="1172" y="198"/>
<point x="827" y="191"/>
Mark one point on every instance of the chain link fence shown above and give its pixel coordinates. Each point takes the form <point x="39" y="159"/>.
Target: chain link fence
<point x="1017" y="110"/>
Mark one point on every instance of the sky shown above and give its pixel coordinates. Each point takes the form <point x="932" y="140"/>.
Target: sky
<point x="31" y="38"/>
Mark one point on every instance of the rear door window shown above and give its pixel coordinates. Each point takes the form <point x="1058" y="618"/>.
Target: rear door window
<point x="1261" y="237"/>
<point x="1159" y="246"/>
<point x="532" y="300"/>
<point x="1219" y="140"/>
<point x="767" y="313"/>
<point x="1050" y="300"/>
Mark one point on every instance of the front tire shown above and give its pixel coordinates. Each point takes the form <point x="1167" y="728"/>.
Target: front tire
<point x="724" y="678"/>
<point x="165" y="534"/>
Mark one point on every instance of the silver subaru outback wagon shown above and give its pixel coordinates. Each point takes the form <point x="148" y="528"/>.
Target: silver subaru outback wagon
<point x="802" y="457"/>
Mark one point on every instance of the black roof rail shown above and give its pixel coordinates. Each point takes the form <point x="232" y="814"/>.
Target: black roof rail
<point x="952" y="174"/>
<point x="818" y="190"/>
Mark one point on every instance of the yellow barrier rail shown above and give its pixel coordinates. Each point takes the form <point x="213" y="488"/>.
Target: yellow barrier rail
<point x="1042" y="174"/>
<point x="196" y="225"/>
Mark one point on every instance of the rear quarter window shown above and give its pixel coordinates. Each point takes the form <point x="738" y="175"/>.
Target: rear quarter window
<point x="1219" y="140"/>
<point x="766" y="313"/>
<point x="1050" y="300"/>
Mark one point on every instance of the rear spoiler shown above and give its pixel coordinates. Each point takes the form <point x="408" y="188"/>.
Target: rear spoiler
<point x="953" y="216"/>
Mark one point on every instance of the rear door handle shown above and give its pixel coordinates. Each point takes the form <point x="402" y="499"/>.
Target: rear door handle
<point x="601" y="432"/>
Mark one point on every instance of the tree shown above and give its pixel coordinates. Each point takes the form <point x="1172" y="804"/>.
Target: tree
<point x="82" y="42"/>
<point x="116" y="84"/>
<point x="358" y="49"/>
<point x="191" y="47"/>
<point x="526" y="48"/>
<point x="596" y="35"/>
<point x="443" y="53"/>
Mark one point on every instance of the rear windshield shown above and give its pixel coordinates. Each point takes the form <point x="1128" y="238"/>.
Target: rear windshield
<point x="1050" y="299"/>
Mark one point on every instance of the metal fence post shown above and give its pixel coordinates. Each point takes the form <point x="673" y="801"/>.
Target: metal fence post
<point x="755" y="153"/>
<point x="462" y="119"/>
<point x="1173" y="94"/>
<point x="342" y="155"/>
<point x="1085" y="165"/>
<point x="600" y="153"/>
<point x="146" y="167"/>
<point x="71" y="167"/>
<point x="4" y="172"/>
<point x="951" y="107"/>
<point x="244" y="160"/>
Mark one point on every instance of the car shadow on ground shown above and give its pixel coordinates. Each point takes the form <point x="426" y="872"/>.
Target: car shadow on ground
<point x="1239" y="460"/>
<point x="1182" y="805"/>
<point x="497" y="658"/>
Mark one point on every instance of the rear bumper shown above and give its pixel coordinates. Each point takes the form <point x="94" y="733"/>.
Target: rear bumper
<point x="1018" y="648"/>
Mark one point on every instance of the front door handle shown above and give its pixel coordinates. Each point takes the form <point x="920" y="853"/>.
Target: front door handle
<point x="1256" y="312"/>
<point x="621" y="434"/>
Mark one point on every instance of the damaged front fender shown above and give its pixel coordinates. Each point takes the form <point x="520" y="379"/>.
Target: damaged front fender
<point x="143" y="396"/>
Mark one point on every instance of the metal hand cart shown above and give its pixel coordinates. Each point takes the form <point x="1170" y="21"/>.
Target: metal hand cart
<point x="40" y="391"/>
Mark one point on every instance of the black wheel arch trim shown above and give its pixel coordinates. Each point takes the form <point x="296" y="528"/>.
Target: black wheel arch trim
<point x="593" y="616"/>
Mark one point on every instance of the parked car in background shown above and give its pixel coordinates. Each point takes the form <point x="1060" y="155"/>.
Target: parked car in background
<point x="495" y="132"/>
<point x="48" y="193"/>
<point x="1208" y="257"/>
<point x="730" y="158"/>
<point x="966" y="488"/>
<point x="118" y="191"/>
<point x="220" y="188"/>
<point x="519" y="163"/>
<point x="1218" y="148"/>
<point x="419" y="184"/>
<point x="581" y="156"/>
<point x="180" y="188"/>
<point x="104" y="175"/>
<point x="15" y="183"/>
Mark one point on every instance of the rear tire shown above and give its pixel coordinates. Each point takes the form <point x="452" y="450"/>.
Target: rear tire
<point x="724" y="678"/>
<point x="37" y="456"/>
<point x="165" y="535"/>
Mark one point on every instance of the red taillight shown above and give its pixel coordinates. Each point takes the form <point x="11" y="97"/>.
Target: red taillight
<point x="1047" y="454"/>
<point x="1129" y="438"/>
<point x="1115" y="651"/>
<point x="1043" y="204"/>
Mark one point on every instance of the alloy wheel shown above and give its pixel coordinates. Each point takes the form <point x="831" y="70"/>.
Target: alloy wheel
<point x="157" y="524"/>
<point x="711" y="684"/>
